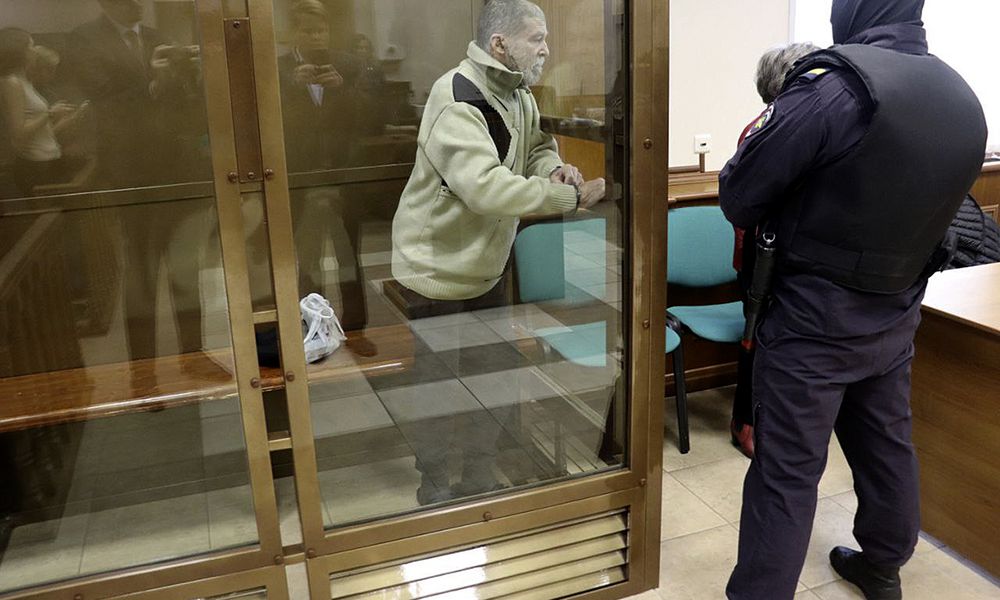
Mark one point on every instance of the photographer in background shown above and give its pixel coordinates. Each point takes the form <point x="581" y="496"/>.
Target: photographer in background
<point x="319" y="106"/>
<point x="146" y="95"/>
<point x="149" y="122"/>
<point x="317" y="88"/>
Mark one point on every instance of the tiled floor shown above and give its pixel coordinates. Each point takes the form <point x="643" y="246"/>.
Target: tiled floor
<point x="465" y="364"/>
<point x="701" y="501"/>
<point x="156" y="486"/>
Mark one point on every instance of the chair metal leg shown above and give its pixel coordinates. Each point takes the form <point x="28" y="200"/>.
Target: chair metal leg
<point x="684" y="438"/>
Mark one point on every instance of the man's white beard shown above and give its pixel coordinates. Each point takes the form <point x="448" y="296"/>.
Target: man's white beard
<point x="533" y="74"/>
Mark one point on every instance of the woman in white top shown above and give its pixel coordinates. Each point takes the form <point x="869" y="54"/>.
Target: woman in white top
<point x="29" y="123"/>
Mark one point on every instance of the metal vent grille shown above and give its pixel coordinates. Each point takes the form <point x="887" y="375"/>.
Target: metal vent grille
<point x="557" y="561"/>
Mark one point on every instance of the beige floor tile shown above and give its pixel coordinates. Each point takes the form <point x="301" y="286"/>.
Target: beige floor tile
<point x="942" y="571"/>
<point x="806" y="595"/>
<point x="697" y="566"/>
<point x="462" y="335"/>
<point x="850" y="502"/>
<point x="43" y="552"/>
<point x="370" y="490"/>
<point x="934" y="575"/>
<point x="524" y="327"/>
<point x="650" y="595"/>
<point x="145" y="533"/>
<point x="298" y="582"/>
<point x="930" y="539"/>
<point x="841" y="590"/>
<point x="345" y="415"/>
<point x="288" y="511"/>
<point x="708" y="415"/>
<point x="231" y="518"/>
<point x="837" y="478"/>
<point x="831" y="527"/>
<point x="719" y="484"/>
<point x="683" y="512"/>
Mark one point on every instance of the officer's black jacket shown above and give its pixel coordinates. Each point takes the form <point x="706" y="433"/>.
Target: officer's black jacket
<point x="815" y="121"/>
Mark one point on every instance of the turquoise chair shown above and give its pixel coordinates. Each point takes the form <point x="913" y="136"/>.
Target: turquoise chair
<point x="700" y="254"/>
<point x="538" y="255"/>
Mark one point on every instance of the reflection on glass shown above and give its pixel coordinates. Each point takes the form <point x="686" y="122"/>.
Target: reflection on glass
<point x="121" y="437"/>
<point x="100" y="98"/>
<point x="348" y="100"/>
<point x="481" y="305"/>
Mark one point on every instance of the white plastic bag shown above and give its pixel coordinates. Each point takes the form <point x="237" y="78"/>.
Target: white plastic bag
<point x="324" y="334"/>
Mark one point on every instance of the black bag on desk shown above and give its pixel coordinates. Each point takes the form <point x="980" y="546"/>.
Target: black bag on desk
<point x="978" y="237"/>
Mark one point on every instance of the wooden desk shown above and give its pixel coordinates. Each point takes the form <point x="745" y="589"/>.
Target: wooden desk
<point x="107" y="390"/>
<point x="956" y="411"/>
<point x="693" y="189"/>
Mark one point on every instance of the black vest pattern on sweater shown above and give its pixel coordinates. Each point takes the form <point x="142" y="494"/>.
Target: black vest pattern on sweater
<point x="464" y="90"/>
<point x="872" y="219"/>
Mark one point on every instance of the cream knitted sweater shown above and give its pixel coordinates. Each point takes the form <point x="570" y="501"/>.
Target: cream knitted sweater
<point x="482" y="162"/>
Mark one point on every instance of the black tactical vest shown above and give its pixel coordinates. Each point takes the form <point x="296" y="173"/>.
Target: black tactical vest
<point x="872" y="219"/>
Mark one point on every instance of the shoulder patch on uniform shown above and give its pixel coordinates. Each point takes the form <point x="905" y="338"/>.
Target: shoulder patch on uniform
<point x="761" y="121"/>
<point x="465" y="91"/>
<point x="814" y="74"/>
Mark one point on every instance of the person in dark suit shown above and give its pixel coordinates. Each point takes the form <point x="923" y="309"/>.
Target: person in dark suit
<point x="142" y="88"/>
<point x="146" y="99"/>
<point x="317" y="93"/>
<point x="319" y="104"/>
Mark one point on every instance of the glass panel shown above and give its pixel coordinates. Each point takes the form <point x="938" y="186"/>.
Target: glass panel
<point x="121" y="439"/>
<point x="484" y="331"/>
<point x="355" y="76"/>
<point x="258" y="251"/>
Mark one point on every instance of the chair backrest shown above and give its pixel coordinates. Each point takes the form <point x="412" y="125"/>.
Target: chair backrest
<point x="540" y="251"/>
<point x="699" y="247"/>
<point x="541" y="268"/>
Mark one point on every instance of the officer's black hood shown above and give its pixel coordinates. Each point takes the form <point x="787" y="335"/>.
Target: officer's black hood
<point x="850" y="18"/>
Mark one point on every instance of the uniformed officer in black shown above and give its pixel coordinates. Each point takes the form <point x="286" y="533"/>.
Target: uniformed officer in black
<point x="858" y="171"/>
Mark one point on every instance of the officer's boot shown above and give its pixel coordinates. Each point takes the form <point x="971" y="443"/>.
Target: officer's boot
<point x="876" y="583"/>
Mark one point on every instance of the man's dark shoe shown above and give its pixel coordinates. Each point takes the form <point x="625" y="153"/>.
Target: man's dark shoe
<point x="876" y="583"/>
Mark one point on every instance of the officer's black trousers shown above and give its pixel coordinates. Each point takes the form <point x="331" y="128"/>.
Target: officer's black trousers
<point x="804" y="389"/>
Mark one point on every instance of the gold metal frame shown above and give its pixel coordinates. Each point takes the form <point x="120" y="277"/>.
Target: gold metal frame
<point x="268" y="551"/>
<point x="637" y="487"/>
<point x="270" y="579"/>
<point x="382" y="540"/>
<point x="486" y="529"/>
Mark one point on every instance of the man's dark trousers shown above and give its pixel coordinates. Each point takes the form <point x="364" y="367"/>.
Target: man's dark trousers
<point x="804" y="389"/>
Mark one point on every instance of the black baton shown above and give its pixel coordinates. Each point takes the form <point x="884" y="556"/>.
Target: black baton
<point x="760" y="287"/>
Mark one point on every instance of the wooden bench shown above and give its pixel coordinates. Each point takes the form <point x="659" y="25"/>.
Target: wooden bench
<point x="87" y="393"/>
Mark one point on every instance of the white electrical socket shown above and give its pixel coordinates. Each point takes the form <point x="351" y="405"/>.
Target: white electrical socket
<point x="703" y="143"/>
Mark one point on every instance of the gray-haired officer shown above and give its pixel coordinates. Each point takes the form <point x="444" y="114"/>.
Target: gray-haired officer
<point x="858" y="171"/>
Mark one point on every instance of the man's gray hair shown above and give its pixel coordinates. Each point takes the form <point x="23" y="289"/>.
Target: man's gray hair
<point x="775" y="64"/>
<point x="505" y="17"/>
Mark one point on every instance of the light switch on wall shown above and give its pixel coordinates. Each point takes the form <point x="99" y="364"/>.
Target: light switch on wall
<point x="703" y="143"/>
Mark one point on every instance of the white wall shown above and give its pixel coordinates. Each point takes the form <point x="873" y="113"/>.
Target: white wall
<point x="961" y="32"/>
<point x="431" y="46"/>
<point x="714" y="47"/>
